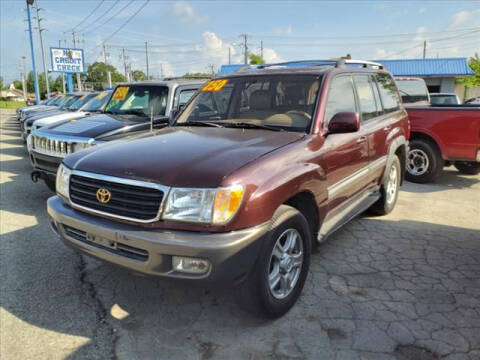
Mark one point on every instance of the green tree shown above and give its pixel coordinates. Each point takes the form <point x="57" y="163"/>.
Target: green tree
<point x="1" y="82"/>
<point x="256" y="59"/>
<point x="197" y="75"/>
<point x="474" y="80"/>
<point x="138" y="75"/>
<point x="17" y="84"/>
<point x="97" y="75"/>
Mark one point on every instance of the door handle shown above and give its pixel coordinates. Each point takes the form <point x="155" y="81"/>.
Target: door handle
<point x="361" y="139"/>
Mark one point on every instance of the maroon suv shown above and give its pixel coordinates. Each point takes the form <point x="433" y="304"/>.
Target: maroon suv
<point x="256" y="169"/>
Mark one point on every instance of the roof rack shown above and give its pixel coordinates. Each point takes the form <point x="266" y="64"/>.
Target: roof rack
<point x="337" y="62"/>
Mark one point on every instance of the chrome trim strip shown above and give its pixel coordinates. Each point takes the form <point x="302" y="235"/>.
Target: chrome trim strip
<point x="163" y="188"/>
<point x="336" y="188"/>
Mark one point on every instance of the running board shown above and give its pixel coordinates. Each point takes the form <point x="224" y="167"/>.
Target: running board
<point x="357" y="206"/>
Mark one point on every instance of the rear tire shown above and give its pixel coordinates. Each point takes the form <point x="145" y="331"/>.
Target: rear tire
<point x="468" y="167"/>
<point x="389" y="189"/>
<point x="277" y="279"/>
<point x="424" y="163"/>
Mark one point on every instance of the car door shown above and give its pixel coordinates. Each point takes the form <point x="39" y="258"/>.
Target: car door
<point x="374" y="122"/>
<point x="347" y="156"/>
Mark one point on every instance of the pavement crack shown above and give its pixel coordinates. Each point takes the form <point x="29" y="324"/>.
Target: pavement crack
<point x="103" y="329"/>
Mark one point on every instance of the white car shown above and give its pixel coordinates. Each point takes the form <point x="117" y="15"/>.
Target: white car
<point x="94" y="105"/>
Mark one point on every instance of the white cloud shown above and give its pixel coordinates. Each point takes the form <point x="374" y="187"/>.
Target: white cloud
<point x="283" y="31"/>
<point x="422" y="10"/>
<point x="462" y="17"/>
<point x="187" y="14"/>
<point x="271" y="56"/>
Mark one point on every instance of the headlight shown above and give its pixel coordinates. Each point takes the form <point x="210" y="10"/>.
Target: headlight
<point x="63" y="180"/>
<point x="214" y="206"/>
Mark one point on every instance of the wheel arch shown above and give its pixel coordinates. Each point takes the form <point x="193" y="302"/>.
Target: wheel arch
<point x="418" y="135"/>
<point x="305" y="203"/>
<point x="398" y="147"/>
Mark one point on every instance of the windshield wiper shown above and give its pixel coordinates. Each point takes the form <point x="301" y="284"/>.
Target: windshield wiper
<point x="251" y="125"/>
<point x="199" y="123"/>
<point x="404" y="92"/>
<point x="134" y="112"/>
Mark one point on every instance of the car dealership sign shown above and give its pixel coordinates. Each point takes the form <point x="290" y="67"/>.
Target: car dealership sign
<point x="67" y="60"/>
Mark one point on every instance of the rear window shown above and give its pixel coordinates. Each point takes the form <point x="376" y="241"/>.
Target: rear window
<point x="412" y="90"/>
<point x="388" y="93"/>
<point x="444" y="100"/>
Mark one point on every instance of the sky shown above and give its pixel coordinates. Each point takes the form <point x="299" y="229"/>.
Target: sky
<point x="196" y="36"/>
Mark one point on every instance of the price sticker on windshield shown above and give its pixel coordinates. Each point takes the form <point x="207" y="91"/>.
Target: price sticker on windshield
<point x="120" y="93"/>
<point x="102" y="95"/>
<point x="215" y="85"/>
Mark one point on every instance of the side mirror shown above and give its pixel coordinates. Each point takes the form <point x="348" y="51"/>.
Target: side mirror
<point x="344" y="122"/>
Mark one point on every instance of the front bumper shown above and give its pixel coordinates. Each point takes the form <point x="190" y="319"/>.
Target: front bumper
<point x="150" y="251"/>
<point x="44" y="163"/>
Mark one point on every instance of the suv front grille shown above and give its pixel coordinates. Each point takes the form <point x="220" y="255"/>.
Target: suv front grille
<point x="127" y="201"/>
<point x="52" y="147"/>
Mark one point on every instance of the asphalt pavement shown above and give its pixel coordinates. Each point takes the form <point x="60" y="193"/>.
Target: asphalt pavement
<point x="403" y="286"/>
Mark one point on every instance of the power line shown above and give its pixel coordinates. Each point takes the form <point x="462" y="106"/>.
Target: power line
<point x="123" y="25"/>
<point x="105" y="13"/>
<point x="90" y="14"/>
<point x="108" y="20"/>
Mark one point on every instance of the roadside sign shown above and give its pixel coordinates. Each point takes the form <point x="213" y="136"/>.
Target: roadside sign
<point x="67" y="60"/>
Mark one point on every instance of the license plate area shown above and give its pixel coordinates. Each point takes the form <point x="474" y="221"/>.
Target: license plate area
<point x="102" y="241"/>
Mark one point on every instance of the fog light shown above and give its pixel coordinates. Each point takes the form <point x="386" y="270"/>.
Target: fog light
<point x="190" y="265"/>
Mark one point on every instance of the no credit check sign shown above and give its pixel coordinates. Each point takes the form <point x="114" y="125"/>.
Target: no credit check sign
<point x="67" y="60"/>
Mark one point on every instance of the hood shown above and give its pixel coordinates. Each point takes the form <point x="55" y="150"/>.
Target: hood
<point x="181" y="156"/>
<point x="32" y="116"/>
<point x="96" y="125"/>
<point x="60" y="117"/>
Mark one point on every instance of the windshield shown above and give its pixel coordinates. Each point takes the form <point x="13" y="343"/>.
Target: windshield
<point x="138" y="100"/>
<point x="97" y="103"/>
<point x="284" y="102"/>
<point x="69" y="101"/>
<point x="412" y="90"/>
<point x="81" y="101"/>
<point x="444" y="99"/>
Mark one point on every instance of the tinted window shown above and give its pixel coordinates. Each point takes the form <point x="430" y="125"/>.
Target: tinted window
<point x="341" y="97"/>
<point x="138" y="99"/>
<point x="254" y="101"/>
<point x="377" y="96"/>
<point x="444" y="99"/>
<point x="412" y="90"/>
<point x="368" y="106"/>
<point x="185" y="95"/>
<point x="388" y="93"/>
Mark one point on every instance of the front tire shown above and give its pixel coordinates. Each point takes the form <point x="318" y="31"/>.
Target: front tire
<point x="424" y="162"/>
<point x="389" y="189"/>
<point x="468" y="167"/>
<point x="278" y="277"/>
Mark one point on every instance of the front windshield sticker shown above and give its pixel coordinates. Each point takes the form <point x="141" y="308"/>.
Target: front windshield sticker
<point x="78" y="126"/>
<point x="120" y="93"/>
<point x="215" y="85"/>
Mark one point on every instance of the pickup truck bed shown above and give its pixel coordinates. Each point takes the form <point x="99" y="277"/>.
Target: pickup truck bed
<point x="443" y="135"/>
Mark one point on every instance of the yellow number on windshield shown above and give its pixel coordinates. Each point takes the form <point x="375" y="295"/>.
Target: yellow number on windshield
<point x="120" y="93"/>
<point x="215" y="85"/>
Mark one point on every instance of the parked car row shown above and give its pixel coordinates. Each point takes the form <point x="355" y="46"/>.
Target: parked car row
<point x="231" y="181"/>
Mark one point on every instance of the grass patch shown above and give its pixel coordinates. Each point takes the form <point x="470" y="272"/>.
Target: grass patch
<point x="11" y="104"/>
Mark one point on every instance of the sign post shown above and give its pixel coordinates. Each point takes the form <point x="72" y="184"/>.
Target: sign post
<point x="68" y="61"/>
<point x="35" y="79"/>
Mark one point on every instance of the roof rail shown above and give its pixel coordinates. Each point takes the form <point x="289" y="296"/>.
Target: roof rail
<point x="336" y="62"/>
<point x="186" y="78"/>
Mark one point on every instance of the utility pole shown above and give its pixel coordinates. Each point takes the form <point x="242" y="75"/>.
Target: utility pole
<point x="24" y="74"/>
<point x="212" y="69"/>
<point x="261" y="49"/>
<point x="229" y="55"/>
<point x="40" y="30"/>
<point x="35" y="80"/>
<point x="109" y="76"/>
<point x="146" y="60"/>
<point x="245" y="48"/>
<point x="161" y="71"/>
<point x="125" y="63"/>
<point x="424" y="48"/>
<point x="79" y="81"/>
<point x="63" y="74"/>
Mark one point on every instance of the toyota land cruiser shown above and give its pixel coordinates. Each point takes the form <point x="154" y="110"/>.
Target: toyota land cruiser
<point x="258" y="167"/>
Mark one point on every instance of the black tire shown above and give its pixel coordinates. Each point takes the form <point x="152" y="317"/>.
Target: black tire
<point x="468" y="167"/>
<point x="50" y="182"/>
<point x="434" y="162"/>
<point x="254" y="294"/>
<point x="388" y="198"/>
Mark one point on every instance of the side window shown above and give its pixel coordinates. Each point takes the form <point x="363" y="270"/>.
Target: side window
<point x="341" y="97"/>
<point x="388" y="93"/>
<point x="377" y="95"/>
<point x="368" y="106"/>
<point x="185" y="95"/>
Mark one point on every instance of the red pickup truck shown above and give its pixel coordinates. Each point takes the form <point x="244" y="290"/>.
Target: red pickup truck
<point x="441" y="135"/>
